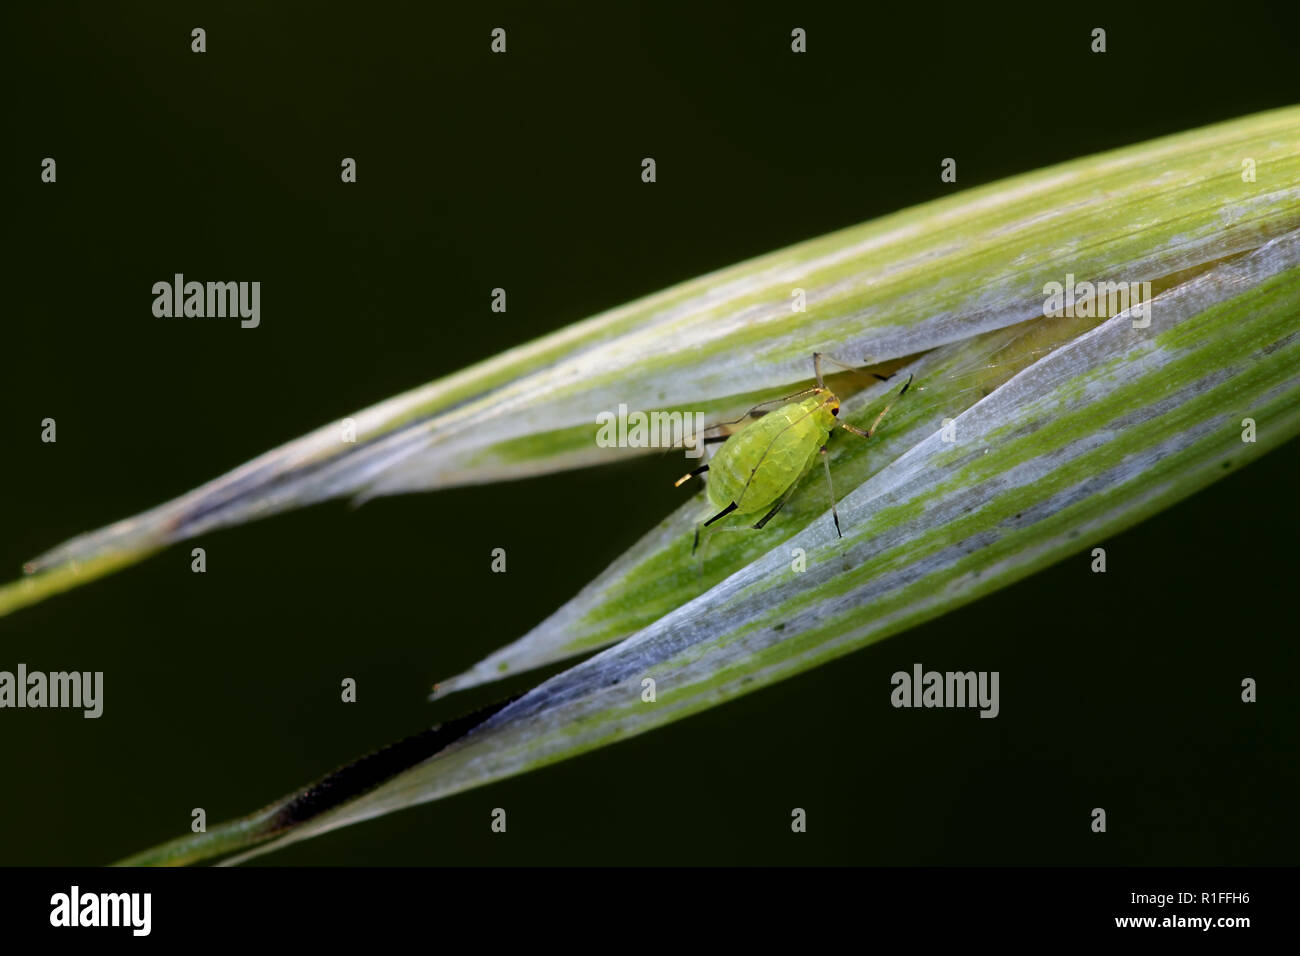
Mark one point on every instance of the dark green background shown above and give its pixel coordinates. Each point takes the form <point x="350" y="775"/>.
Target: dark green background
<point x="522" y="171"/>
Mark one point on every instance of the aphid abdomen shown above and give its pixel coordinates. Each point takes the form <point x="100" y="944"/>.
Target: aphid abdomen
<point x="757" y="466"/>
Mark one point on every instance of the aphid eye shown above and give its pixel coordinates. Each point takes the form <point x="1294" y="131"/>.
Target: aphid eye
<point x="836" y="412"/>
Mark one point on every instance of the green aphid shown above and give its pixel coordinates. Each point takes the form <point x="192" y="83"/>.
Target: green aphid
<point x="759" y="467"/>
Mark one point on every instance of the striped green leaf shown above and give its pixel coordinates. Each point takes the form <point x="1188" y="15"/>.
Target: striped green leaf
<point x="1028" y="439"/>
<point x="939" y="273"/>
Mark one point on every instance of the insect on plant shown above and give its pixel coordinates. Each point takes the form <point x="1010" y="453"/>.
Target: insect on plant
<point x="759" y="467"/>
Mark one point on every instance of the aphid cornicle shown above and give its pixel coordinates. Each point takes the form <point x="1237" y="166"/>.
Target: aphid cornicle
<point x="758" y="467"/>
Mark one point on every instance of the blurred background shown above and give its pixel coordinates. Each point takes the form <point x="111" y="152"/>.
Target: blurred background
<point x="523" y="171"/>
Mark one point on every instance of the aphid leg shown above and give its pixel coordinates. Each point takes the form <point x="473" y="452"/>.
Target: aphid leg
<point x="872" y="430"/>
<point x="758" y="411"/>
<point x="817" y="365"/>
<point x="769" y="516"/>
<point x="689" y="475"/>
<point x="775" y="508"/>
<point x="817" y="356"/>
<point x="695" y="547"/>
<point x="831" y="488"/>
<point x="722" y="514"/>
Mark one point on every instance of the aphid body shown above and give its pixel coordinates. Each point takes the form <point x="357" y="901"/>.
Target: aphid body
<point x="760" y="463"/>
<point x="758" y="467"/>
